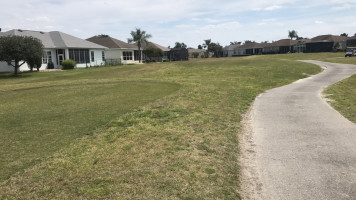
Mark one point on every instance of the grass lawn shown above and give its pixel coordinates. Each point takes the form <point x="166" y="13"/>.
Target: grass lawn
<point x="343" y="95"/>
<point x="153" y="131"/>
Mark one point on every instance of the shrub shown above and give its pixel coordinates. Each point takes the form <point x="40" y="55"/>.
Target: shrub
<point x="68" y="64"/>
<point x="195" y="54"/>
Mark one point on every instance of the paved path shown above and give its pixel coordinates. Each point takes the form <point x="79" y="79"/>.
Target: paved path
<point x="304" y="148"/>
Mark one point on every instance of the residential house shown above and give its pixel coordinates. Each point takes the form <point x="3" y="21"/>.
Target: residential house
<point x="351" y="42"/>
<point x="280" y="46"/>
<point x="326" y="43"/>
<point x="59" y="46"/>
<point x="117" y="52"/>
<point x="300" y="46"/>
<point x="157" y="59"/>
<point x="230" y="50"/>
<point x="178" y="54"/>
<point x="251" y="48"/>
<point x="199" y="52"/>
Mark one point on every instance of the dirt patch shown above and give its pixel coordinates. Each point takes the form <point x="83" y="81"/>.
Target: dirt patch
<point x="251" y="185"/>
<point x="51" y="70"/>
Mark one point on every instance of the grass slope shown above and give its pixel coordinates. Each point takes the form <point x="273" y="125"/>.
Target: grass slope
<point x="343" y="96"/>
<point x="181" y="146"/>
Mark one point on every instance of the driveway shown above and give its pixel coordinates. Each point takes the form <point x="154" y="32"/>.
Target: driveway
<point x="304" y="149"/>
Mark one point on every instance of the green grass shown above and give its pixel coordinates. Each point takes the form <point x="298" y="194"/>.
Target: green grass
<point x="40" y="117"/>
<point x="180" y="145"/>
<point x="343" y="97"/>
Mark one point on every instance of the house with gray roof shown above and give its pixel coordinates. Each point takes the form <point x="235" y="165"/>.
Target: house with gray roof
<point x="117" y="51"/>
<point x="59" y="46"/>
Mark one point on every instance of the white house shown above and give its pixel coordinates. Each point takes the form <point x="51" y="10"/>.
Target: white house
<point x="117" y="51"/>
<point x="60" y="46"/>
<point x="231" y="50"/>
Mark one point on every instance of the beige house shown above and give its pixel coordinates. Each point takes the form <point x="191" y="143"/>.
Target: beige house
<point x="199" y="52"/>
<point x="117" y="52"/>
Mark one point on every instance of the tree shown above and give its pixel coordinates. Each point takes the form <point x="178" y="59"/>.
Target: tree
<point x="180" y="45"/>
<point x="292" y="34"/>
<point x="216" y="48"/>
<point x="195" y="54"/>
<point x="139" y="36"/>
<point x="235" y="42"/>
<point x="207" y="45"/>
<point x="151" y="52"/>
<point x="34" y="53"/>
<point x="344" y="34"/>
<point x="201" y="47"/>
<point x="16" y="50"/>
<point x="249" y="41"/>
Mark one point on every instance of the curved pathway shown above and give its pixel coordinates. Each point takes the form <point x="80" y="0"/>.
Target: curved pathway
<point x="304" y="148"/>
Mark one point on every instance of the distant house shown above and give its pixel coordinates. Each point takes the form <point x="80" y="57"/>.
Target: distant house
<point x="251" y="48"/>
<point x="230" y="50"/>
<point x="59" y="46"/>
<point x="199" y="52"/>
<point x="351" y="42"/>
<point x="178" y="54"/>
<point x="300" y="46"/>
<point x="326" y="43"/>
<point x="152" y="44"/>
<point x="280" y="46"/>
<point x="117" y="52"/>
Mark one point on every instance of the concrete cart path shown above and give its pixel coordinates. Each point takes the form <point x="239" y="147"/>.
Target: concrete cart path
<point x="304" y="148"/>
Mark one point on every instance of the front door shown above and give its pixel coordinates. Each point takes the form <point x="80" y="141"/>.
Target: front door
<point x="60" y="58"/>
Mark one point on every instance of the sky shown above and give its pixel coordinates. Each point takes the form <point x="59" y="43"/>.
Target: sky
<point x="188" y="21"/>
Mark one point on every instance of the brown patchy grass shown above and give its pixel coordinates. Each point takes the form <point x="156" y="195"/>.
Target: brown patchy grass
<point x="182" y="146"/>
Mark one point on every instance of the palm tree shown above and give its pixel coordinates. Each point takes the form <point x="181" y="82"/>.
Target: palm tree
<point x="292" y="34"/>
<point x="207" y="45"/>
<point x="139" y="36"/>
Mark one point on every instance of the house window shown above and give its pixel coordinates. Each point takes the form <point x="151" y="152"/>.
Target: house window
<point x="137" y="56"/>
<point x="103" y="55"/>
<point x="80" y="56"/>
<point x="47" y="57"/>
<point x="127" y="55"/>
<point x="92" y="56"/>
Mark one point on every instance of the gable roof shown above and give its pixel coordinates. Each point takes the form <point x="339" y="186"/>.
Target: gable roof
<point x="55" y="39"/>
<point x="111" y="43"/>
<point x="231" y="47"/>
<point x="196" y="50"/>
<point x="328" y="38"/>
<point x="144" y="45"/>
<point x="282" y="42"/>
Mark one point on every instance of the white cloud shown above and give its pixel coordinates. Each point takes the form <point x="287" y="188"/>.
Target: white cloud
<point x="319" y="22"/>
<point x="274" y="7"/>
<point x="343" y="7"/>
<point x="185" y="21"/>
<point x="39" y="19"/>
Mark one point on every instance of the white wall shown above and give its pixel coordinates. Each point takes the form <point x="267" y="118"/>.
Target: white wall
<point x="117" y="54"/>
<point x="98" y="60"/>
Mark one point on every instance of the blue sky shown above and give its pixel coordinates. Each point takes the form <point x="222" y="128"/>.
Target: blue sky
<point x="188" y="21"/>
